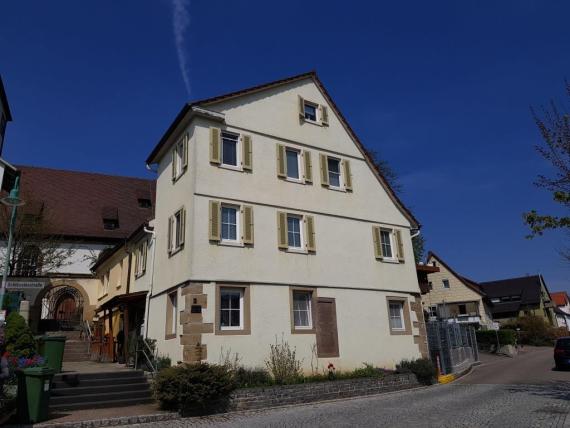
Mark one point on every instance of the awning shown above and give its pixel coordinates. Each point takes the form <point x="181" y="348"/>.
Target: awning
<point x="122" y="299"/>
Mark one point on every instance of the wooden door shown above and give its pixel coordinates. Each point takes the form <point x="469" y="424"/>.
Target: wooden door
<point x="66" y="309"/>
<point x="327" y="335"/>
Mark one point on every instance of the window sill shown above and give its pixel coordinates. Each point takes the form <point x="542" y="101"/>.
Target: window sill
<point x="402" y="332"/>
<point x="231" y="244"/>
<point x="225" y="332"/>
<point x="313" y="122"/>
<point x="231" y="167"/>
<point x="297" y="251"/>
<point x="337" y="189"/>
<point x="390" y="260"/>
<point x="175" y="251"/>
<point x="296" y="330"/>
<point x="294" y="180"/>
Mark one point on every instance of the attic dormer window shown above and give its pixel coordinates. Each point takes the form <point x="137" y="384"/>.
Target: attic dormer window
<point x="110" y="217"/>
<point x="144" y="203"/>
<point x="310" y="111"/>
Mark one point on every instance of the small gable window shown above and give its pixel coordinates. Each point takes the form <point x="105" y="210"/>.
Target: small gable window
<point x="313" y="113"/>
<point x="110" y="217"/>
<point x="445" y="283"/>
<point x="144" y="203"/>
<point x="310" y="111"/>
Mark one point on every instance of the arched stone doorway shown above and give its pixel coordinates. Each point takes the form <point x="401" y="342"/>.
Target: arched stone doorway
<point x="62" y="305"/>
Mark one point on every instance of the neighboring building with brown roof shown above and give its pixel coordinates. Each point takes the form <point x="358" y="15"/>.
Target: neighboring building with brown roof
<point x="562" y="309"/>
<point x="451" y="296"/>
<point x="69" y="217"/>
<point x="514" y="297"/>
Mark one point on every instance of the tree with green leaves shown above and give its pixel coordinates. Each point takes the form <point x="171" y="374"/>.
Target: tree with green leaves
<point x="554" y="127"/>
<point x="391" y="177"/>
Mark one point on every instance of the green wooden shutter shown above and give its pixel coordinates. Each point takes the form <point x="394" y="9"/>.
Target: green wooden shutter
<point x="215" y="145"/>
<point x="169" y="245"/>
<point x="247" y="224"/>
<point x="399" y="245"/>
<point x="281" y="164"/>
<point x="310" y="231"/>
<point x="324" y="116"/>
<point x="214" y="221"/>
<point x="308" y="166"/>
<point x="247" y="155"/>
<point x="174" y="172"/>
<point x="185" y="151"/>
<point x="324" y="170"/>
<point x="282" y="241"/>
<point x="182" y="226"/>
<point x="347" y="175"/>
<point x="301" y="107"/>
<point x="377" y="242"/>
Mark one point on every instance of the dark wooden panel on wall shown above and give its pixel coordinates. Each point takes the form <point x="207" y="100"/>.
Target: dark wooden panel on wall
<point x="327" y="335"/>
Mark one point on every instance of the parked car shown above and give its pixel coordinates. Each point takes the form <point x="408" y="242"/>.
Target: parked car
<point x="562" y="353"/>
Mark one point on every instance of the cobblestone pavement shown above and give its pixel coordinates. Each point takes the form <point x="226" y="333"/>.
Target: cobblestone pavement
<point x="452" y="405"/>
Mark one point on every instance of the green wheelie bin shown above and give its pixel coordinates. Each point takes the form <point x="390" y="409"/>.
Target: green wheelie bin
<point x="34" y="386"/>
<point x="51" y="348"/>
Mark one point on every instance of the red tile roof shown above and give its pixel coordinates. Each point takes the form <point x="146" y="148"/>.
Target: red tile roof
<point x="560" y="298"/>
<point x="74" y="203"/>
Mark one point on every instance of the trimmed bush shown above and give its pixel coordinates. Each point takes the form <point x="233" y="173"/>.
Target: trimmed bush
<point x="488" y="338"/>
<point x="18" y="337"/>
<point x="194" y="389"/>
<point x="423" y="368"/>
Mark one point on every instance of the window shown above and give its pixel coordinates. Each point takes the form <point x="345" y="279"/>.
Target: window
<point x="180" y="157"/>
<point x="310" y="111"/>
<point x="28" y="262"/>
<point x="432" y="311"/>
<point x="230" y="149"/>
<point x="445" y="283"/>
<point x="430" y="285"/>
<point x="396" y="315"/>
<point x="230" y="221"/>
<point x="462" y="309"/>
<point x="110" y="223"/>
<point x="171" y="314"/>
<point x="386" y="242"/>
<point x="231" y="309"/>
<point x="294" y="236"/>
<point x="495" y="300"/>
<point x="334" y="172"/>
<point x="302" y="318"/>
<point x="176" y="230"/>
<point x="144" y="203"/>
<point x="140" y="259"/>
<point x="293" y="157"/>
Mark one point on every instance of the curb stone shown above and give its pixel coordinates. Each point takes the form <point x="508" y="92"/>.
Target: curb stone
<point x="123" y="420"/>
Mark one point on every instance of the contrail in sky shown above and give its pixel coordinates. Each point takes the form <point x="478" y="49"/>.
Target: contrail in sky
<point x="180" y="24"/>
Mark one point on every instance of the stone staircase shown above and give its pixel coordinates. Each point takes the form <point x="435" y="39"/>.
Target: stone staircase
<point x="76" y="348"/>
<point x="73" y="391"/>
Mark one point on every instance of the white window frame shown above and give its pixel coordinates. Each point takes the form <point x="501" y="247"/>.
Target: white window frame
<point x="401" y="315"/>
<point x="178" y="153"/>
<point x="432" y="311"/>
<point x="443" y="282"/>
<point x="316" y="107"/>
<point x="173" y="297"/>
<point x="106" y="280"/>
<point x="238" y="165"/>
<point x="309" y="309"/>
<point x="301" y="233"/>
<point x="390" y="232"/>
<point x="233" y="290"/>
<point x="340" y="174"/>
<point x="238" y="224"/>
<point x="141" y="256"/>
<point x="176" y="231"/>
<point x="299" y="165"/>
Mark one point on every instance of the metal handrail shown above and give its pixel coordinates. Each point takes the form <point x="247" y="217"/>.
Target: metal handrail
<point x="148" y="359"/>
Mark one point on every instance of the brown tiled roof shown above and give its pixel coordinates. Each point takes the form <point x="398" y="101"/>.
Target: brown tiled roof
<point x="309" y="75"/>
<point x="560" y="298"/>
<point x="74" y="203"/>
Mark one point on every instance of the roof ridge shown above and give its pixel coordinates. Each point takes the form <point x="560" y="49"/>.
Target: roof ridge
<point x="512" y="279"/>
<point x="73" y="171"/>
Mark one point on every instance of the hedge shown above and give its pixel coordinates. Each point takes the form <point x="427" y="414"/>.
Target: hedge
<point x="486" y="338"/>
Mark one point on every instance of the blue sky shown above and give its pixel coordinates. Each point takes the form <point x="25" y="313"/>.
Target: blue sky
<point x="440" y="89"/>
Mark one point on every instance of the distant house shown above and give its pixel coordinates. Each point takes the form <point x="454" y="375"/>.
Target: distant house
<point x="515" y="297"/>
<point x="562" y="309"/>
<point x="451" y="296"/>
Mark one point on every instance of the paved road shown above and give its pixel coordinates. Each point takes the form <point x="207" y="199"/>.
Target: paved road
<point x="519" y="392"/>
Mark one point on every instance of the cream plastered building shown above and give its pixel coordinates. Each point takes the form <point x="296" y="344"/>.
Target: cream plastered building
<point x="273" y="224"/>
<point x="452" y="296"/>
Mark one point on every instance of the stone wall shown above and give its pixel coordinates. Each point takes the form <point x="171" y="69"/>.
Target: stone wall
<point x="259" y="398"/>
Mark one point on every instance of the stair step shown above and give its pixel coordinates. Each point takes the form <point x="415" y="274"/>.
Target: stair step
<point x="101" y="404"/>
<point x="97" y="397"/>
<point x="99" y="375"/>
<point x="79" y="383"/>
<point x="102" y="390"/>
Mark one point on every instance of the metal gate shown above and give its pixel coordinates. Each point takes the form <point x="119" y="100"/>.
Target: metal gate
<point x="452" y="346"/>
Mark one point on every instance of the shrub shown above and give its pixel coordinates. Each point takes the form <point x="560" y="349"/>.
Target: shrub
<point x="18" y="337"/>
<point x="162" y="362"/>
<point x="423" y="368"/>
<point x="487" y="338"/>
<point x="283" y="364"/>
<point x="535" y="331"/>
<point x="194" y="389"/>
<point x="248" y="378"/>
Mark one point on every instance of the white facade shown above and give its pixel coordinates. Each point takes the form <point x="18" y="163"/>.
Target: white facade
<point x="343" y="267"/>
